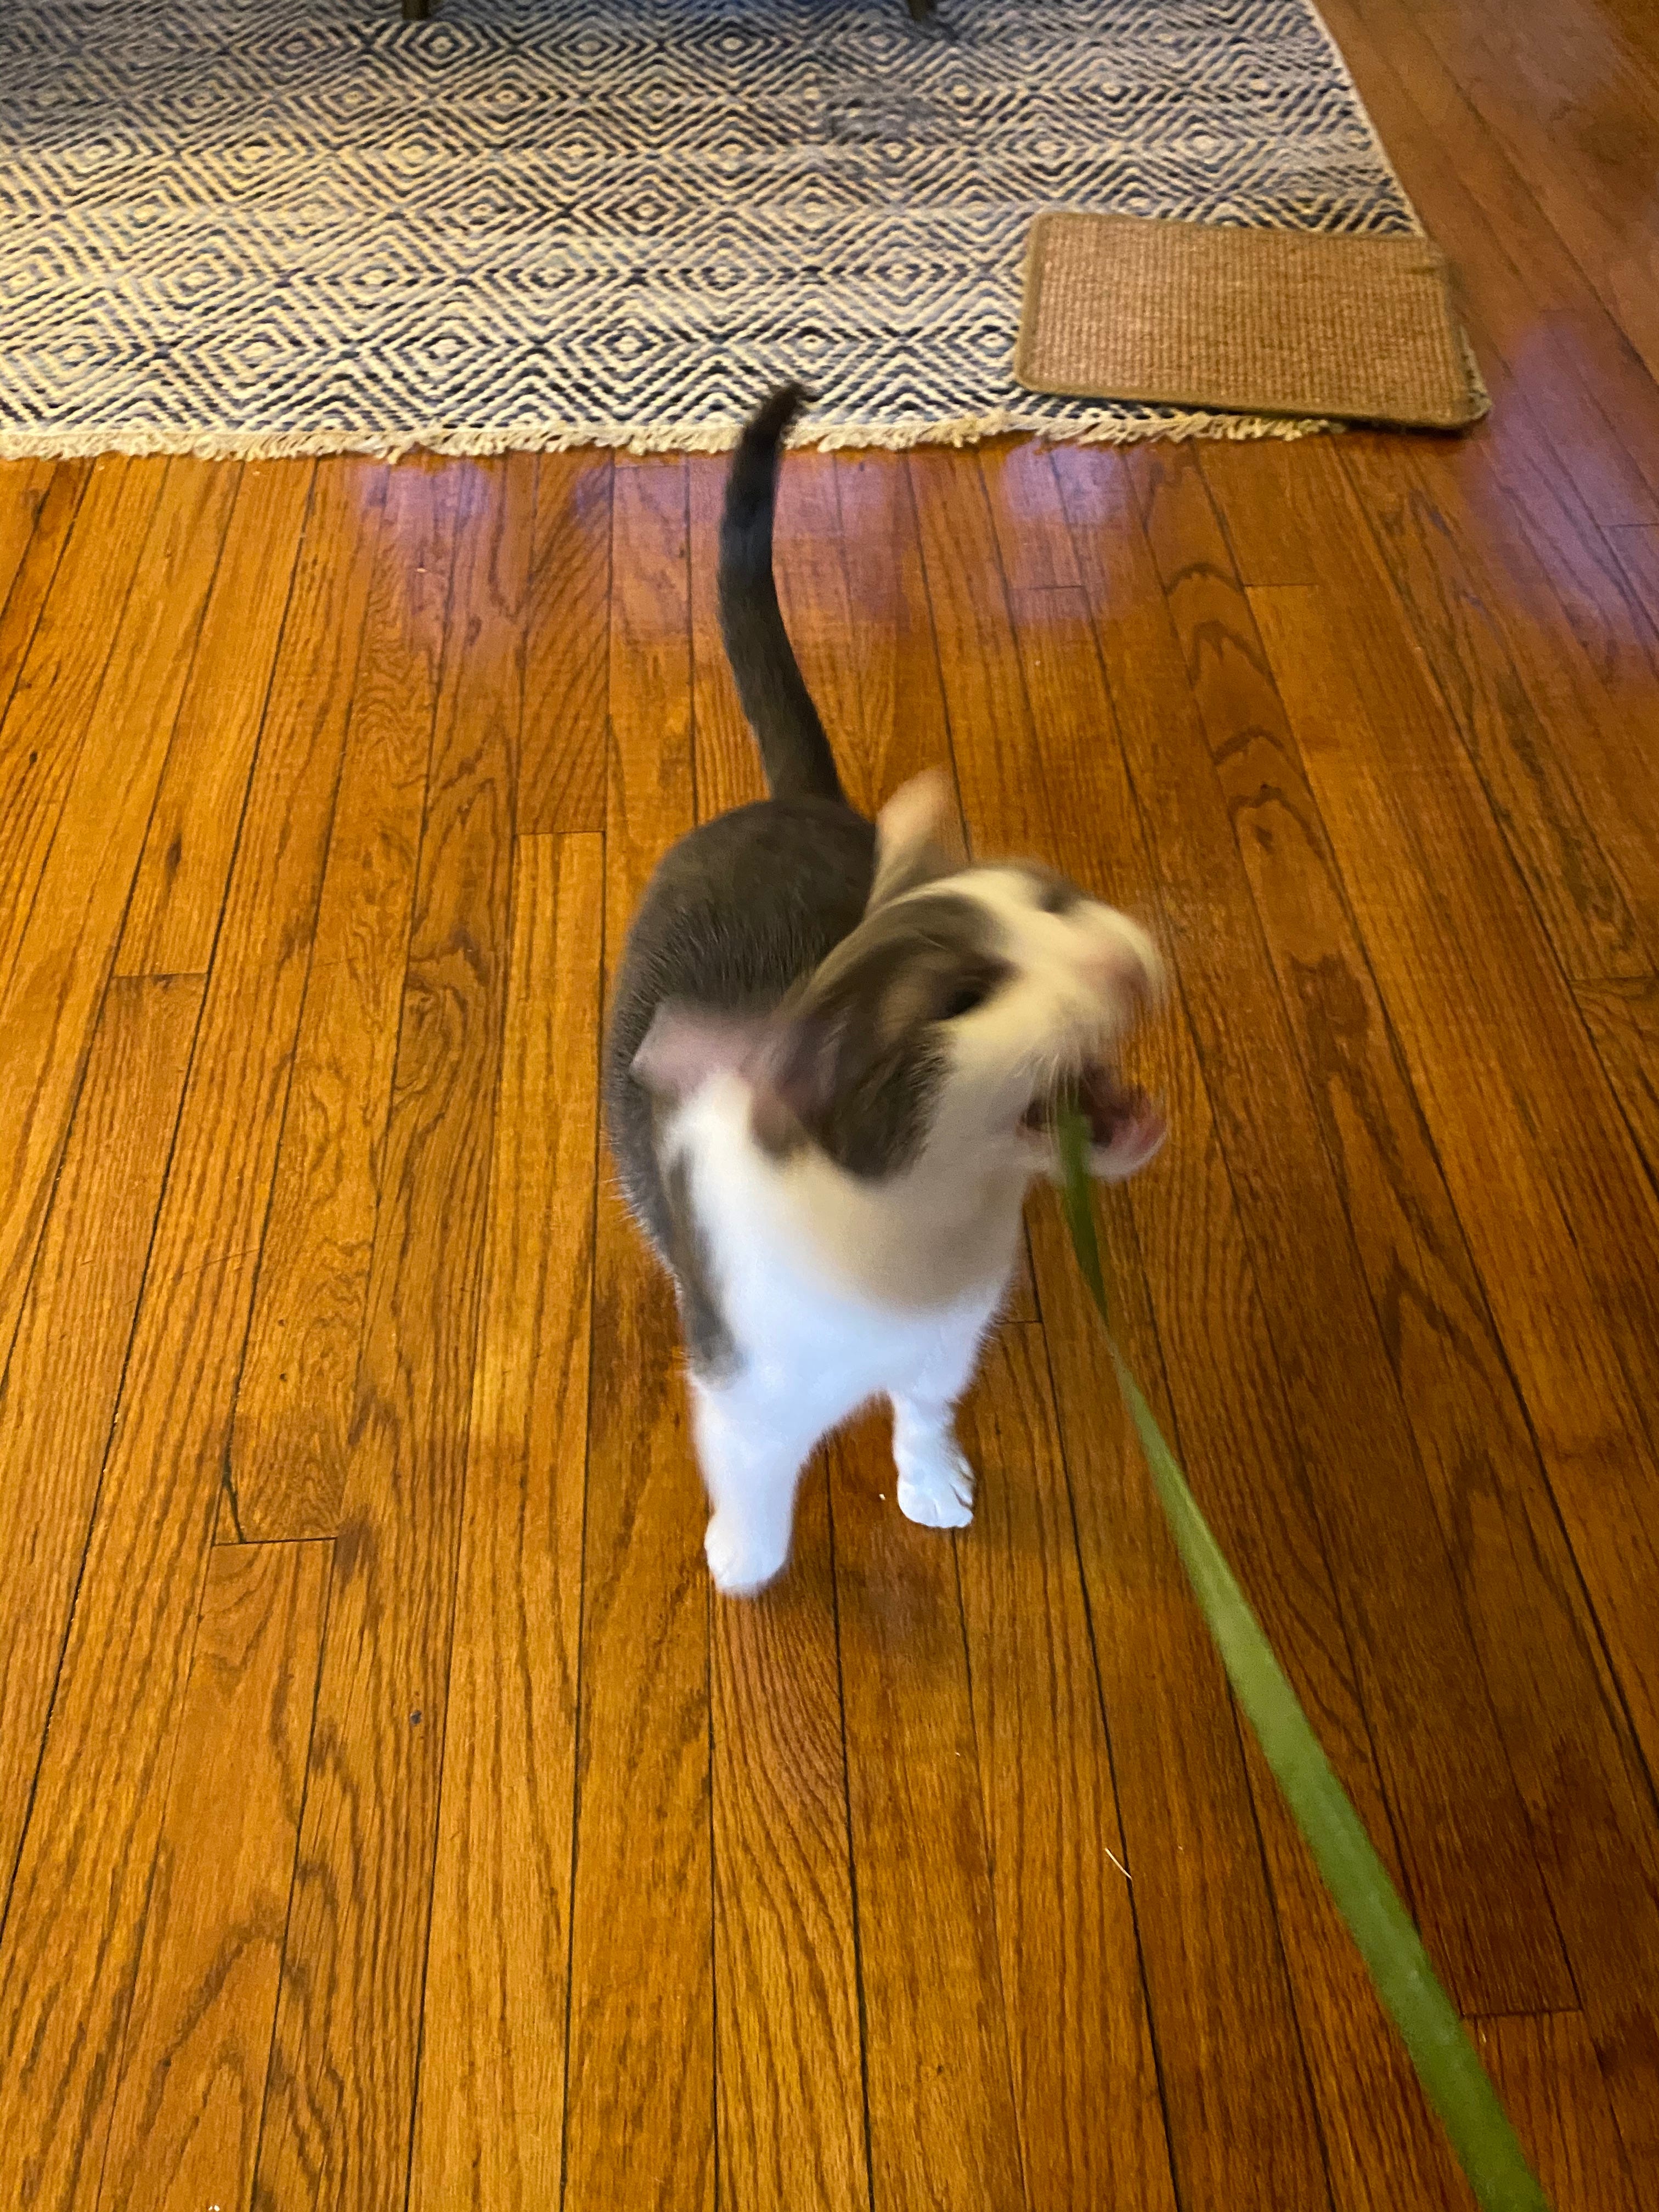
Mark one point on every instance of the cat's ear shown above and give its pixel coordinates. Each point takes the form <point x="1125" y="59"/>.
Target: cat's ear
<point x="918" y="838"/>
<point x="685" y="1045"/>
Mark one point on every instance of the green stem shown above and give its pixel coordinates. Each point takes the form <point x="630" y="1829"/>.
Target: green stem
<point x="1448" y="2066"/>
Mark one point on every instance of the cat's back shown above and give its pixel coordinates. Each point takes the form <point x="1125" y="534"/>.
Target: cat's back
<point x="736" y="913"/>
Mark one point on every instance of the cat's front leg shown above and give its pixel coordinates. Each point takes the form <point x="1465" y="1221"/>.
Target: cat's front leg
<point x="935" y="1482"/>
<point x="751" y="1454"/>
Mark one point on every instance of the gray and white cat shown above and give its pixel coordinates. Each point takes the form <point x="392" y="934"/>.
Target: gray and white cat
<point x="829" y="1080"/>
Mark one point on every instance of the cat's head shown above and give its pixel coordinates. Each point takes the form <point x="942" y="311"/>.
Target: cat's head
<point x="947" y="1025"/>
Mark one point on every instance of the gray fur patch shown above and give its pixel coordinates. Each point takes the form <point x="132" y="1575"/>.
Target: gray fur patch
<point x="710" y="1344"/>
<point x="868" y="1058"/>
<point x="1053" y="893"/>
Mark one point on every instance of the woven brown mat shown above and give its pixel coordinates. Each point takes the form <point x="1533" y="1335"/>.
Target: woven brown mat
<point x="1262" y="322"/>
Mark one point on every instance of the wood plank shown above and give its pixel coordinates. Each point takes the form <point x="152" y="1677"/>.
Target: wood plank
<point x="1577" y="127"/>
<point x="1547" y="2072"/>
<point x="1552" y="1197"/>
<point x="179" y="892"/>
<point x="53" y="1441"/>
<point x="71" y="644"/>
<point x="340" y="2104"/>
<point x="1458" y="1817"/>
<point x="944" y="2124"/>
<point x="814" y="594"/>
<point x="193" y="2068"/>
<point x="1084" y="2074"/>
<point x="1580" y="828"/>
<point x="1637" y="555"/>
<point x="489" y="2122"/>
<point x="66" y="922"/>
<point x="1623" y="1017"/>
<point x="1214" y="1970"/>
<point x="70" y="1945"/>
<point x="1530" y="1144"/>
<point x="1228" y="1394"/>
<point x="32" y="580"/>
<point x="1545" y="337"/>
<point x="1204" y="905"/>
<point x="566" y="647"/>
<point x="1567" y="1744"/>
<point x="1243" y="2136"/>
<point x="24" y="486"/>
<point x="294" y="1405"/>
<point x="902" y="724"/>
<point x="789" y="2072"/>
<point x="640" y="2129"/>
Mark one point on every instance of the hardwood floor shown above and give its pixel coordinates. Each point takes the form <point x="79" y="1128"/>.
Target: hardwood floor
<point x="389" y="1814"/>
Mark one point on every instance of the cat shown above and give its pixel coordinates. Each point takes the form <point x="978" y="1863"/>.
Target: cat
<point x="829" y="1080"/>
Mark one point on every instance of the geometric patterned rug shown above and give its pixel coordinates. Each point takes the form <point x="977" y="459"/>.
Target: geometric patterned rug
<point x="281" y="225"/>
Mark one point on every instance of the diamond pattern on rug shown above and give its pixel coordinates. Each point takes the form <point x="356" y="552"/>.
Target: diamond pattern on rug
<point x="230" y="227"/>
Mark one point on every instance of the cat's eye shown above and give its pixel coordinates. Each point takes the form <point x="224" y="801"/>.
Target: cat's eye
<point x="964" y="998"/>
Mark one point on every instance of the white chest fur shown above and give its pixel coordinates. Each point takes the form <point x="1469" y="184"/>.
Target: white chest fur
<point x="833" y="1293"/>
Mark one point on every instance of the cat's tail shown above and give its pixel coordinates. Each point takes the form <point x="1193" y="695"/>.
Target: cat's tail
<point x="795" y="751"/>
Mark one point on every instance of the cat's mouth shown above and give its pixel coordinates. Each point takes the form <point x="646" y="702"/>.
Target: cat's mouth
<point x="1125" y="1127"/>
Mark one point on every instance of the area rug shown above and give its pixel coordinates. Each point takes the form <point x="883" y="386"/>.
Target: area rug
<point x="236" y="227"/>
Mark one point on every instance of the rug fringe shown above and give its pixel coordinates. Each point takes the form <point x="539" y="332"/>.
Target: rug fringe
<point x="668" y="438"/>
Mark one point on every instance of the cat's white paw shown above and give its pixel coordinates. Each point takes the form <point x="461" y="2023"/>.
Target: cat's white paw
<point x="937" y="1489"/>
<point x="742" y="1561"/>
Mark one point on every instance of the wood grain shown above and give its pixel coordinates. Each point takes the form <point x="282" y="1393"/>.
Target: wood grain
<point x="1578" y="825"/>
<point x="341" y="2101"/>
<point x="1637" y="552"/>
<point x="641" y="2126"/>
<point x="294" y="1405"/>
<point x="1622" y="1015"/>
<point x="81" y="1316"/>
<point x="1477" y="1047"/>
<point x="566" y="647"/>
<point x="1215" y="1975"/>
<point x="70" y="886"/>
<point x="1567" y="1742"/>
<point x="180" y="889"/>
<point x="1575" y="118"/>
<point x="1546" y="2073"/>
<point x="192" y="2067"/>
<point x="71" y="1946"/>
<point x="23" y="488"/>
<point x="49" y="516"/>
<point x="489" y="2122"/>
<point x="790" y="2087"/>
<point x="1472" y="1872"/>
<point x="70" y="644"/>
<point x="1080" y="2049"/>
<point x="943" y="2123"/>
<point x="902" y="725"/>
<point x="1543" y="333"/>
<point x="1251" y="1478"/>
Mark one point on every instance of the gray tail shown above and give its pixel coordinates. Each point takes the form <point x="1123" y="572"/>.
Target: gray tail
<point x="795" y="751"/>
